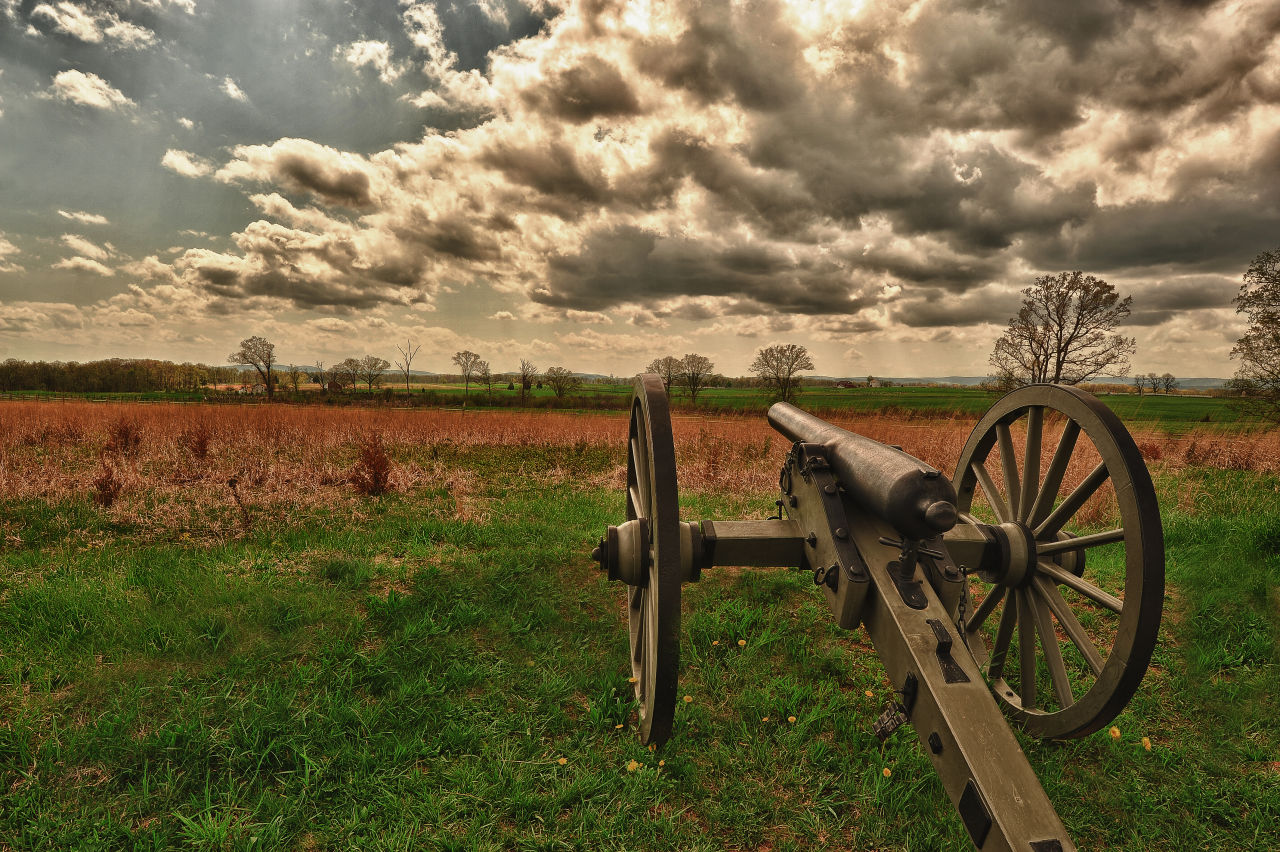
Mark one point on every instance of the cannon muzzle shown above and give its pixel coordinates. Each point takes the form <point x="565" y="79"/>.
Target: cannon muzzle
<point x="895" y="486"/>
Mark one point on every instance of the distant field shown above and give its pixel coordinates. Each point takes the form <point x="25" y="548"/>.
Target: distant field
<point x="1173" y="412"/>
<point x="291" y="664"/>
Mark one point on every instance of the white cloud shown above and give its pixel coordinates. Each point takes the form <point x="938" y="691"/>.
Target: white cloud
<point x="188" y="6"/>
<point x="84" y="264"/>
<point x="466" y="90"/>
<point x="6" y="249"/>
<point x="233" y="91"/>
<point x="83" y="217"/>
<point x="29" y="317"/>
<point x="89" y="90"/>
<point x="186" y="163"/>
<point x="93" y="26"/>
<point x="80" y="245"/>
<point x="503" y="315"/>
<point x="376" y="55"/>
<point x="187" y="123"/>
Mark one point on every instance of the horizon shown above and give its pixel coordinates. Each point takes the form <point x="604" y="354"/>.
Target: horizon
<point x="583" y="184"/>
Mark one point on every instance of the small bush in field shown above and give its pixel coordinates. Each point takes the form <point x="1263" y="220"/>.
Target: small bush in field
<point x="106" y="485"/>
<point x="196" y="440"/>
<point x="371" y="474"/>
<point x="124" y="436"/>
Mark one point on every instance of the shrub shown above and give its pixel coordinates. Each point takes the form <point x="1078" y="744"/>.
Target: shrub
<point x="106" y="485"/>
<point x="371" y="475"/>
<point x="124" y="436"/>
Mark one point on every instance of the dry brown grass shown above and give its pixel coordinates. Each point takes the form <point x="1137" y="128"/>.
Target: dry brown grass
<point x="172" y="464"/>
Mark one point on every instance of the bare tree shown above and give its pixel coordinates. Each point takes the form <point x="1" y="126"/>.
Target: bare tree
<point x="1168" y="383"/>
<point x="668" y="366"/>
<point x="260" y="354"/>
<point x="561" y="380"/>
<point x="695" y="372"/>
<point x="1139" y="382"/>
<point x="405" y="361"/>
<point x="1258" y="378"/>
<point x="295" y="377"/>
<point x="321" y="376"/>
<point x="1065" y="332"/>
<point x="467" y="362"/>
<point x="527" y="374"/>
<point x="346" y="372"/>
<point x="484" y="376"/>
<point x="778" y="368"/>
<point x="1153" y="382"/>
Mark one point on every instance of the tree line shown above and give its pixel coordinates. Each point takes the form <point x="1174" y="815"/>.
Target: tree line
<point x="110" y="375"/>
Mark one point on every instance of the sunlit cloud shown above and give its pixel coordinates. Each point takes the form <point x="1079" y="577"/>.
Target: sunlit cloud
<point x="77" y="87"/>
<point x="233" y="90"/>
<point x="186" y="163"/>
<point x="83" y="217"/>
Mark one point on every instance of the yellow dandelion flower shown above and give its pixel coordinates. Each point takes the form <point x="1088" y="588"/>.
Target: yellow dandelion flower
<point x="633" y="766"/>
<point x="886" y="772"/>
<point x="1146" y="743"/>
<point x="562" y="761"/>
<point x="715" y="642"/>
<point x="1115" y="732"/>
<point x="870" y="694"/>
<point x="662" y="763"/>
<point x="765" y="719"/>
<point x="742" y="642"/>
<point x="688" y="699"/>
<point x="632" y="679"/>
<point x="791" y="719"/>
<point x="617" y="727"/>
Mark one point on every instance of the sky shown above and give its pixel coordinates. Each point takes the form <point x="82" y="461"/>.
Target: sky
<point x="594" y="184"/>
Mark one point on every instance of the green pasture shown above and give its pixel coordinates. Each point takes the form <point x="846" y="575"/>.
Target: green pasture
<point x="446" y="670"/>
<point x="1172" y="412"/>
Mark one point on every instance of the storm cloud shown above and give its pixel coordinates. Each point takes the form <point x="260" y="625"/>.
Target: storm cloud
<point x="869" y="169"/>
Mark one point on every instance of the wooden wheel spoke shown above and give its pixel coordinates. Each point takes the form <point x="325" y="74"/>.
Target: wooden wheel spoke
<point x="1031" y="461"/>
<point x="1026" y="650"/>
<point x="1070" y="624"/>
<point x="1009" y="465"/>
<point x="1052" y="652"/>
<point x="1077" y="498"/>
<point x="1057" y="470"/>
<point x="985" y="608"/>
<point x="1080" y="542"/>
<point x="641" y="460"/>
<point x="1084" y="587"/>
<point x="639" y="643"/>
<point x="1003" y="514"/>
<point x="1004" y="635"/>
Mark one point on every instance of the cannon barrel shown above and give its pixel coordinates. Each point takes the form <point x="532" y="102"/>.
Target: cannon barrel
<point x="895" y="486"/>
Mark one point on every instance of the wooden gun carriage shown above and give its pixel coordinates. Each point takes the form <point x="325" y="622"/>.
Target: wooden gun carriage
<point x="983" y="604"/>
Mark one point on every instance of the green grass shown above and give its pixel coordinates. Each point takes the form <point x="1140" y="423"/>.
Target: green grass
<point x="412" y="681"/>
<point x="1173" y="413"/>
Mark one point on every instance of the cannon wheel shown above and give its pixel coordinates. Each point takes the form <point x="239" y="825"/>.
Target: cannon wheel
<point x="1090" y="608"/>
<point x="653" y="609"/>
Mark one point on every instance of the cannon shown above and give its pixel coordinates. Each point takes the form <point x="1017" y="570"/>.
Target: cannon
<point x="1005" y="595"/>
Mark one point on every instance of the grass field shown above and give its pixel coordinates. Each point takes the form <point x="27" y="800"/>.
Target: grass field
<point x="292" y="664"/>
<point x="1168" y="412"/>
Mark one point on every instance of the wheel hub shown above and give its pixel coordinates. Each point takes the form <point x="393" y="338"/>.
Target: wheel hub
<point x="1015" y="557"/>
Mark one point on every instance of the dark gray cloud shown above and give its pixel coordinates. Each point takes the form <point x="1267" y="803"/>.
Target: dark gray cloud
<point x="631" y="265"/>
<point x="590" y="89"/>
<point x="1158" y="302"/>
